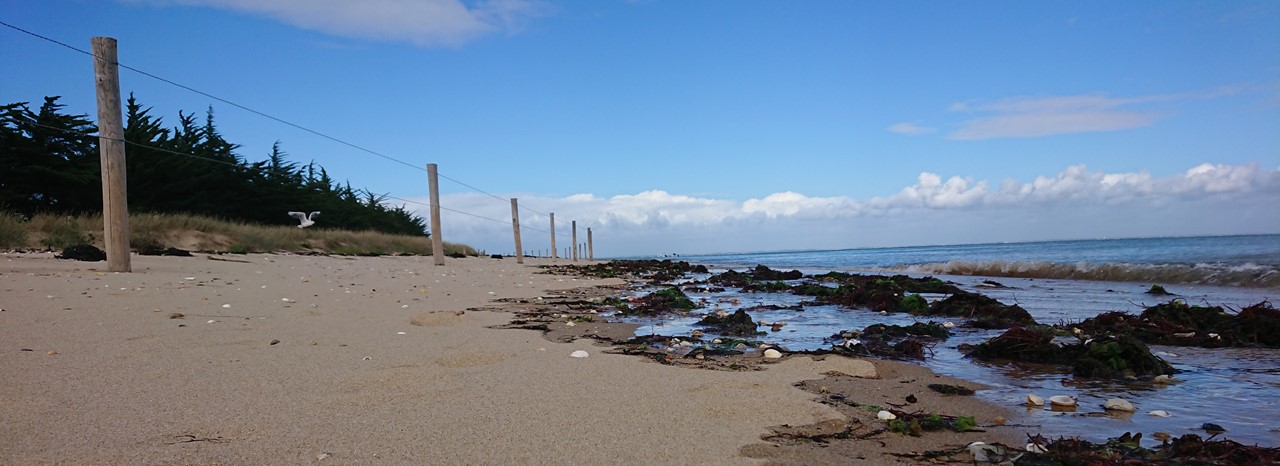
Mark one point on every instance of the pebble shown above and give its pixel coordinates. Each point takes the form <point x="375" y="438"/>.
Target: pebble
<point x="226" y="306"/>
<point x="1160" y="413"/>
<point x="885" y="416"/>
<point x="578" y="354"/>
<point x="401" y="333"/>
<point x="772" y="354"/>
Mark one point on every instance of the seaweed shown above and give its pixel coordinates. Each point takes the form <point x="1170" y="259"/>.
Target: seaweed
<point x="739" y="323"/>
<point x="1103" y="357"/>
<point x="986" y="311"/>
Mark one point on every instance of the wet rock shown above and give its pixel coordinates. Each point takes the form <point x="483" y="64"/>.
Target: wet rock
<point x="1117" y="404"/>
<point x="83" y="252"/>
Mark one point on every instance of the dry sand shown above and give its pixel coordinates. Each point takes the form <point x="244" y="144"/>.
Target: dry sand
<point x="284" y="359"/>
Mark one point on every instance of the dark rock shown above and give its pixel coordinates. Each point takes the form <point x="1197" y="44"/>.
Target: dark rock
<point x="738" y="324"/>
<point x="154" y="250"/>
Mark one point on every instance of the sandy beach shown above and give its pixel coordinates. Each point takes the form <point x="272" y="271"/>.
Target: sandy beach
<point x="287" y="359"/>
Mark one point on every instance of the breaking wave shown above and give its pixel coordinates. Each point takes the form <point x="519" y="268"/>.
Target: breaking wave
<point x="1241" y="275"/>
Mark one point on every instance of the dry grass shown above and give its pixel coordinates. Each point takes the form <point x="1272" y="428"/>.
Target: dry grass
<point x="205" y="234"/>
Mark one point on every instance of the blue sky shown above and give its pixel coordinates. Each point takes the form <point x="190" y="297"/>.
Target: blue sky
<point x="714" y="126"/>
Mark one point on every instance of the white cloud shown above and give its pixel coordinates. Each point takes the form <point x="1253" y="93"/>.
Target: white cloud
<point x="910" y="129"/>
<point x="1070" y="202"/>
<point x="1025" y="117"/>
<point x="421" y="22"/>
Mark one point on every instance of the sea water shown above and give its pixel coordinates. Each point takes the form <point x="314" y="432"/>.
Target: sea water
<point x="1057" y="282"/>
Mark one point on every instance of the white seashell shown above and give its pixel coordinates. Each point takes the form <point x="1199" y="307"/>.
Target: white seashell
<point x="570" y="324"/>
<point x="717" y="341"/>
<point x="1034" y="400"/>
<point x="287" y="300"/>
<point x="210" y="321"/>
<point x="772" y="354"/>
<point x="1162" y="378"/>
<point x="401" y="333"/>
<point x="226" y="305"/>
<point x="949" y="325"/>
<point x="1036" y="448"/>
<point x="578" y="354"/>
<point x="1160" y="413"/>
<point x="1062" y="400"/>
<point x="885" y="416"/>
<point x="884" y="313"/>
<point x="1118" y="405"/>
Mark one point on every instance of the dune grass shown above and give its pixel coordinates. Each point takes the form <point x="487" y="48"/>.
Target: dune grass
<point x="205" y="234"/>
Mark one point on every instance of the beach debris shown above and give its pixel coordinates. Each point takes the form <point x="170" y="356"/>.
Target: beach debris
<point x="1158" y="290"/>
<point x="992" y="453"/>
<point x="1127" y="449"/>
<point x="948" y="325"/>
<point x="157" y="250"/>
<point x="367" y="358"/>
<point x="885" y="416"/>
<point x="1034" y="400"/>
<point x="1163" y="437"/>
<point x="211" y="321"/>
<point x="947" y="389"/>
<point x="1034" y="447"/>
<point x="1163" y="379"/>
<point x="772" y="354"/>
<point x="1118" y="404"/>
<point x="1178" y="323"/>
<point x="226" y="306"/>
<point x="83" y="252"/>
<point x="984" y="312"/>
<point x="1062" y="400"/>
<point x="578" y="354"/>
<point x="401" y="333"/>
<point x="52" y="353"/>
<point x="286" y="300"/>
<point x="176" y="315"/>
<point x="911" y="398"/>
<point x="323" y="456"/>
<point x="275" y="342"/>
<point x="1159" y="413"/>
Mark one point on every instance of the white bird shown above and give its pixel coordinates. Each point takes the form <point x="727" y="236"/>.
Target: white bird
<point x="307" y="220"/>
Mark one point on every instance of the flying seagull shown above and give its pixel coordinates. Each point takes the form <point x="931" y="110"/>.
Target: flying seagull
<point x="307" y="220"/>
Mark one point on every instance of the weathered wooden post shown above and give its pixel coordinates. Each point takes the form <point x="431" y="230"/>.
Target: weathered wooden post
<point x="437" y="243"/>
<point x="115" y="202"/>
<point x="591" y="249"/>
<point x="553" y="236"/>
<point x="574" y="226"/>
<point x="515" y="227"/>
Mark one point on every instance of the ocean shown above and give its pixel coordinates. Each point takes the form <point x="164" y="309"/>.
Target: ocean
<point x="1057" y="282"/>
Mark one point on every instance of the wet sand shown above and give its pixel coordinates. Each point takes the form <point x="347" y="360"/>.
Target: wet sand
<point x="256" y="359"/>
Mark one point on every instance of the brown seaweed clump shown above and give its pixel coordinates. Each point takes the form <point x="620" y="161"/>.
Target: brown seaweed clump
<point x="984" y="311"/>
<point x="1180" y="324"/>
<point x="737" y="324"/>
<point x="1103" y="357"/>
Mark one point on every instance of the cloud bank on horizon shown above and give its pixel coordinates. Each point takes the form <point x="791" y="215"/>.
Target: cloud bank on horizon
<point x="1044" y="208"/>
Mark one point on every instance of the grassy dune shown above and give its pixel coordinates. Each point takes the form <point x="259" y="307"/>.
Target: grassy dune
<point x="205" y="234"/>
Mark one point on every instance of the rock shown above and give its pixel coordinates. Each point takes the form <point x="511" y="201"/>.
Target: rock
<point x="1118" y="404"/>
<point x="1160" y="413"/>
<point x="885" y="416"/>
<point x="1034" y="400"/>
<point x="1212" y="428"/>
<point x="772" y="354"/>
<point x="578" y="354"/>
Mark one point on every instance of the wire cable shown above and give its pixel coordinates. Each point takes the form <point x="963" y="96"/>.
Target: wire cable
<point x="219" y="99"/>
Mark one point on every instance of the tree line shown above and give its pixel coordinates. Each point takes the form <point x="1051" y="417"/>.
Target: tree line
<point x="49" y="163"/>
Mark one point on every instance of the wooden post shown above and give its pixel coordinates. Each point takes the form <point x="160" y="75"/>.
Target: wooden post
<point x="575" y="239"/>
<point x="515" y="227"/>
<point x="437" y="243"/>
<point x="553" y="237"/>
<point x="591" y="249"/>
<point x="115" y="202"/>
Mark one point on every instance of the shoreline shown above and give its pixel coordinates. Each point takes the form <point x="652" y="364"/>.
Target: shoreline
<point x="301" y="359"/>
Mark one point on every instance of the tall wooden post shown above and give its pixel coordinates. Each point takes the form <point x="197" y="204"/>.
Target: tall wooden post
<point x="515" y="228"/>
<point x="575" y="239"/>
<point x="591" y="248"/>
<point x="553" y="237"/>
<point x="115" y="202"/>
<point x="437" y="243"/>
